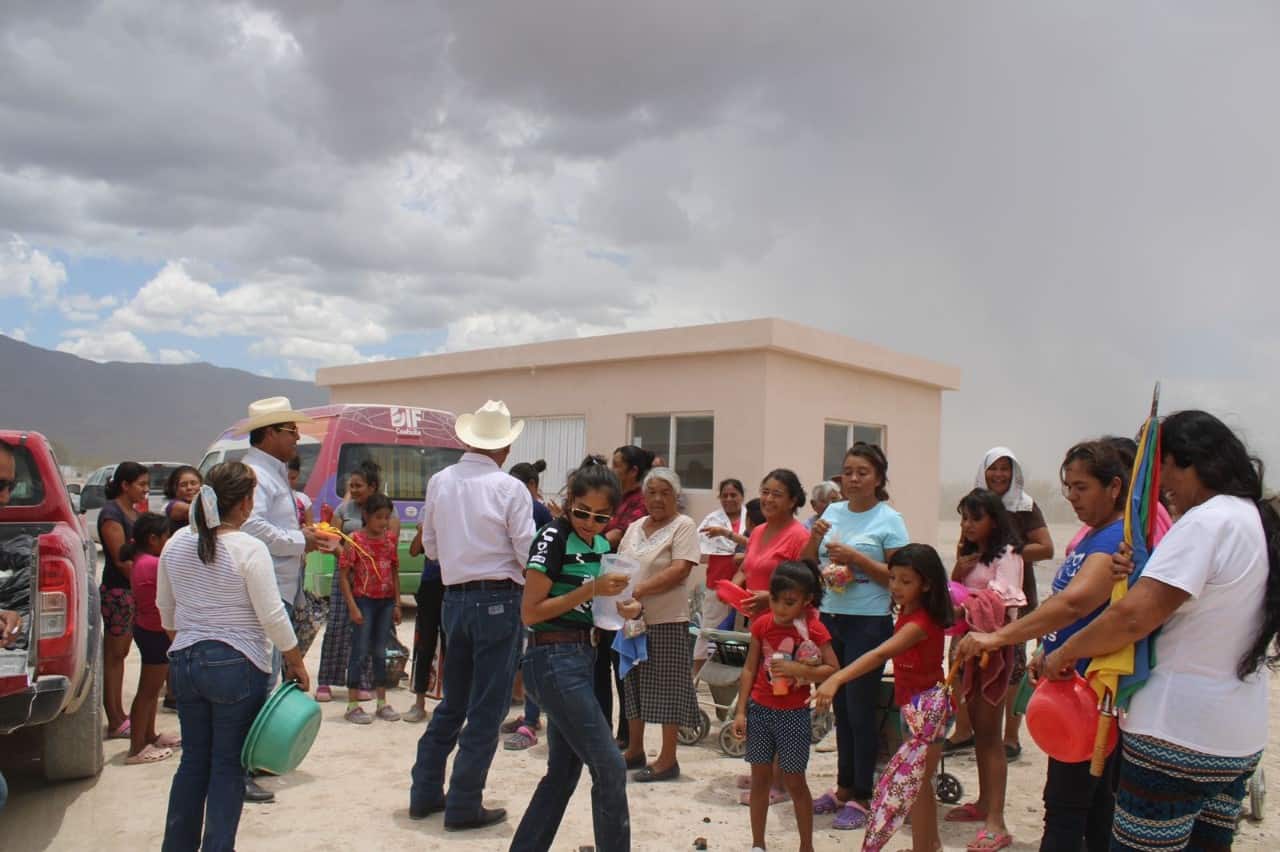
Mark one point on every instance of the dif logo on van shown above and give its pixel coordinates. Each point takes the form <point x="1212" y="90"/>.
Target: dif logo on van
<point x="407" y="421"/>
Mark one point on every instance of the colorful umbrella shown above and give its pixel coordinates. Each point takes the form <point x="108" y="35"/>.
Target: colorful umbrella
<point x="1116" y="676"/>
<point x="927" y="717"/>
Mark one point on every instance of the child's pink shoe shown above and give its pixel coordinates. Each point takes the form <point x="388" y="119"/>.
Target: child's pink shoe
<point x="323" y="694"/>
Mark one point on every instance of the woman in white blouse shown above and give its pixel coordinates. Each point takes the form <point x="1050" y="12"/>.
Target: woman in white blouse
<point x="216" y="591"/>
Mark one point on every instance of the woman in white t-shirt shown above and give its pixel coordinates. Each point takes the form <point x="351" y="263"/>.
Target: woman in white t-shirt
<point x="1195" y="731"/>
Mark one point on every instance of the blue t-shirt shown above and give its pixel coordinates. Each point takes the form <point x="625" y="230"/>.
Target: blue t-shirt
<point x="1103" y="540"/>
<point x="872" y="532"/>
<point x="541" y="515"/>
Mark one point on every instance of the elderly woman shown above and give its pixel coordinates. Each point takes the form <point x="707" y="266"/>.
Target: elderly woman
<point x="860" y="534"/>
<point x="1077" y="806"/>
<point x="216" y="591"/>
<point x="823" y="495"/>
<point x="659" y="691"/>
<point x="1195" y="732"/>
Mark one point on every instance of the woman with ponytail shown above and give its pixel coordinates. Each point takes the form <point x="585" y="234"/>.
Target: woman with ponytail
<point x="217" y="594"/>
<point x="1195" y="731"/>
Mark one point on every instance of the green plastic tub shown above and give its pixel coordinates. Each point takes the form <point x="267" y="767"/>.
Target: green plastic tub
<point x="283" y="732"/>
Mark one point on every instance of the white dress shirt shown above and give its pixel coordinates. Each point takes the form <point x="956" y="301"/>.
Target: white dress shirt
<point x="274" y="521"/>
<point x="477" y="522"/>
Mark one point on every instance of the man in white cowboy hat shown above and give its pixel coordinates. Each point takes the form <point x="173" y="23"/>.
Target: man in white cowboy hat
<point x="272" y="426"/>
<point x="478" y="523"/>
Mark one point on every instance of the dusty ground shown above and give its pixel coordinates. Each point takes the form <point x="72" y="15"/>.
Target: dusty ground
<point x="352" y="792"/>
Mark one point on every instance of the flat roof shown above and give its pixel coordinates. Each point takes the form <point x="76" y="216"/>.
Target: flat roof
<point x="772" y="335"/>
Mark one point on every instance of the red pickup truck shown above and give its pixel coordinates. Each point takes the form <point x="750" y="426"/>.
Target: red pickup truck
<point x="52" y="677"/>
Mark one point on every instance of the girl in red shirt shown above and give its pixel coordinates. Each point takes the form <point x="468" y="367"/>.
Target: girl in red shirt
<point x="790" y="648"/>
<point x="918" y="586"/>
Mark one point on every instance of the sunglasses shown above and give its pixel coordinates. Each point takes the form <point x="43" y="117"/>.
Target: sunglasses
<point x="7" y="484"/>
<point x="587" y="515"/>
<point x="292" y="430"/>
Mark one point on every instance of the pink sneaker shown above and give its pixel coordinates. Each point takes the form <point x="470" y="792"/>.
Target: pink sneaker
<point x="323" y="694"/>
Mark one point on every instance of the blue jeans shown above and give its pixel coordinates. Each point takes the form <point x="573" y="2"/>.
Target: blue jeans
<point x="374" y="631"/>
<point x="482" y="630"/>
<point x="219" y="693"/>
<point x="562" y="678"/>
<point x="857" y="733"/>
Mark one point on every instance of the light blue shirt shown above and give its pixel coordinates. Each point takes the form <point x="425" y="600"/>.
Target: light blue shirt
<point x="274" y="521"/>
<point x="871" y="533"/>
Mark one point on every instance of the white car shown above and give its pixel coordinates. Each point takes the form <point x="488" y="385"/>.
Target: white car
<point x="93" y="494"/>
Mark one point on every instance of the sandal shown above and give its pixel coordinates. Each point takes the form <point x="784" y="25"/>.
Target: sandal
<point x="827" y="803"/>
<point x="167" y="741"/>
<point x="149" y="754"/>
<point x="952" y="746"/>
<point x="776" y="797"/>
<point x="522" y="738"/>
<point x="852" y="816"/>
<point x="989" y="841"/>
<point x="968" y="812"/>
<point x="122" y="732"/>
<point x="510" y="727"/>
<point x="1012" y="751"/>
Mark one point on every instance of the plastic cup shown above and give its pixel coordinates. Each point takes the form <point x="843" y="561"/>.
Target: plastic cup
<point x="604" y="608"/>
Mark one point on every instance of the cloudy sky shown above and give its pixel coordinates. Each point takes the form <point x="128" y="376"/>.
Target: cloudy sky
<point x="1066" y="200"/>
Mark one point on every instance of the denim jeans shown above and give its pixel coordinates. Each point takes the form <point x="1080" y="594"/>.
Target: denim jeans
<point x="482" y="630"/>
<point x="373" y="632"/>
<point x="1078" y="808"/>
<point x="430" y="598"/>
<point x="219" y="693"/>
<point x="857" y="734"/>
<point x="562" y="678"/>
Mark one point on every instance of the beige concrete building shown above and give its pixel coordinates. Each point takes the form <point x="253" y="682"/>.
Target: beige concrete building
<point x="732" y="399"/>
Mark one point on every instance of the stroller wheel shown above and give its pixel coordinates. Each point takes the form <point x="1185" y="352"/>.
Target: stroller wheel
<point x="695" y="734"/>
<point x="729" y="744"/>
<point x="947" y="787"/>
<point x="820" y="726"/>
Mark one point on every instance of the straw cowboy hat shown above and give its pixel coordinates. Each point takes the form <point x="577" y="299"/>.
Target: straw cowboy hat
<point x="490" y="428"/>
<point x="272" y="411"/>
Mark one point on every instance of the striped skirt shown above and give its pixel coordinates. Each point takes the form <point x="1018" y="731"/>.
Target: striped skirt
<point x="660" y="690"/>
<point x="1171" y="797"/>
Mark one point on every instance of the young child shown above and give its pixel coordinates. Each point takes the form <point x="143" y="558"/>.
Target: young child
<point x="918" y="585"/>
<point x="150" y="532"/>
<point x="370" y="582"/>
<point x="988" y="558"/>
<point x="790" y="648"/>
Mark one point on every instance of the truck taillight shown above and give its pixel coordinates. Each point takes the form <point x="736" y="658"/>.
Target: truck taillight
<point x="53" y="614"/>
<point x="56" y="645"/>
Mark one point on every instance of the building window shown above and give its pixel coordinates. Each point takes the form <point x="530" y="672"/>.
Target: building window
<point x="837" y="438"/>
<point x="687" y="442"/>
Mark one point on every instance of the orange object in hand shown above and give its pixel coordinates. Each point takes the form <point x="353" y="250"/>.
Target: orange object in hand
<point x="327" y="532"/>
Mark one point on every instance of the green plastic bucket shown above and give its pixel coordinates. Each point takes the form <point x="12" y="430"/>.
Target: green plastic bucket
<point x="283" y="732"/>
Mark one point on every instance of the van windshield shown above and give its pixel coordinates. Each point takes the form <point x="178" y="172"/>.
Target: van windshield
<point x="405" y="467"/>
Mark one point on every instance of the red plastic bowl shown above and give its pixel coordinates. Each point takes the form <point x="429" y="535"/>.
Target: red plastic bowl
<point x="734" y="596"/>
<point x="1062" y="717"/>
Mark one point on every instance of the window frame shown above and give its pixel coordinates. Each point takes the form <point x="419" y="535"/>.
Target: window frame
<point x="850" y="426"/>
<point x="671" y="456"/>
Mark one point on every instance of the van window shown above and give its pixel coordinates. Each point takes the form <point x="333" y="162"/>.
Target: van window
<point x="160" y="474"/>
<point x="405" y="467"/>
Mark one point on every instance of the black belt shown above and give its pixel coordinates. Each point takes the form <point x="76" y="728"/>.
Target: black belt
<point x="485" y="586"/>
<point x="559" y="637"/>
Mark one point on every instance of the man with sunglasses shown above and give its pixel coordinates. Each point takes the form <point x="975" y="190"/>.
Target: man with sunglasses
<point x="272" y="425"/>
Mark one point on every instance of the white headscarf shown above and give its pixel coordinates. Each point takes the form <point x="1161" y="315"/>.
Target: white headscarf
<point x="1015" y="499"/>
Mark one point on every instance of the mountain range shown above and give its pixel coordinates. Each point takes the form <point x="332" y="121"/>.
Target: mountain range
<point x="103" y="413"/>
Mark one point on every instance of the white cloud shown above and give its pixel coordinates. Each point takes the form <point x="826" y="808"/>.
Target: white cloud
<point x="105" y="345"/>
<point x="82" y="308"/>
<point x="29" y="273"/>
<point x="177" y="356"/>
<point x="19" y="334"/>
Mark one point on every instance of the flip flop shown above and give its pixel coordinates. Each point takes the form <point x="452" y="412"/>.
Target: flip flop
<point x="989" y="841"/>
<point x="776" y="797"/>
<point x="167" y="741"/>
<point x="968" y="812"/>
<point x="149" y="754"/>
<point x="827" y="803"/>
<point x="122" y="732"/>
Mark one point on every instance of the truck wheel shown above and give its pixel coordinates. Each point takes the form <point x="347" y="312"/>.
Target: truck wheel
<point x="73" y="742"/>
